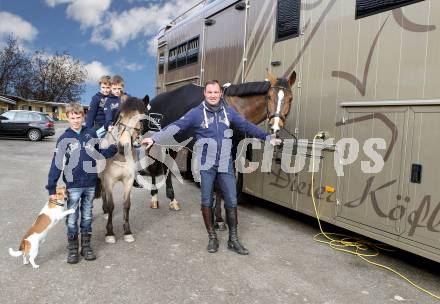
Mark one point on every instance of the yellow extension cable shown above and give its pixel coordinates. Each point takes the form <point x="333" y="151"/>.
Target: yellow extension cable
<point x="361" y="248"/>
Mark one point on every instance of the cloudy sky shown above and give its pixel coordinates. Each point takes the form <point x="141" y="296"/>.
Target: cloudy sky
<point x="108" y="36"/>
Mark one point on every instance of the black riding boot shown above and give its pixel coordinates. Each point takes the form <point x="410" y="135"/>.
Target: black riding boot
<point x="233" y="243"/>
<point x="72" y="250"/>
<point x="207" y="218"/>
<point x="86" y="249"/>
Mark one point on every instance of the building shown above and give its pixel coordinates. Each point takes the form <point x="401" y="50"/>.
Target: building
<point x="54" y="109"/>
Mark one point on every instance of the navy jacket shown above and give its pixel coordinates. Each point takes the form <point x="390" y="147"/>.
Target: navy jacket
<point x="95" y="115"/>
<point x="111" y="109"/>
<point x="75" y="155"/>
<point x="209" y="124"/>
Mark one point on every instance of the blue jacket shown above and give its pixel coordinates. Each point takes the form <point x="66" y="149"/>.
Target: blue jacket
<point x="111" y="109"/>
<point x="95" y="115"/>
<point x="214" y="125"/>
<point x="76" y="155"/>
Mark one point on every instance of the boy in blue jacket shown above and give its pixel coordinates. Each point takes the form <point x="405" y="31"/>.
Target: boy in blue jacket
<point x="212" y="121"/>
<point x="95" y="116"/>
<point x="76" y="156"/>
<point x="111" y="107"/>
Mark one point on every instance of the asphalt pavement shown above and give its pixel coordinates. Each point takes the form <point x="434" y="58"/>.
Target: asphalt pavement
<point x="168" y="262"/>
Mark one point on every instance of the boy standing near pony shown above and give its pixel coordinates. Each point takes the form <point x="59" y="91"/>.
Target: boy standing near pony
<point x="73" y="157"/>
<point x="95" y="116"/>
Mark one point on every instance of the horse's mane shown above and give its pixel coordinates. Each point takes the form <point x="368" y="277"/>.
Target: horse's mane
<point x="282" y="82"/>
<point x="131" y="105"/>
<point x="248" y="88"/>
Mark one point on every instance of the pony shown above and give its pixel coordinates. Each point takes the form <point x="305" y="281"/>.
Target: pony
<point x="123" y="165"/>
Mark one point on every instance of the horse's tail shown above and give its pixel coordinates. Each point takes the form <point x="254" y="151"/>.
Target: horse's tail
<point x="14" y="253"/>
<point x="98" y="189"/>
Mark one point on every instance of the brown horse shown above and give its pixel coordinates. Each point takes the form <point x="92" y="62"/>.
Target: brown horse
<point x="122" y="166"/>
<point x="272" y="106"/>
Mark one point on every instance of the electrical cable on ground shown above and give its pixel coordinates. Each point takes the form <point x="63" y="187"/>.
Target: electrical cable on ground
<point x="369" y="249"/>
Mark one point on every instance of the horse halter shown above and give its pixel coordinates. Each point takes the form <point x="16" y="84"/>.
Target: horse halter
<point x="125" y="128"/>
<point x="277" y="112"/>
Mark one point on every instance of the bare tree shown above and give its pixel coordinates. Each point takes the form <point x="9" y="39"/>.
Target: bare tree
<point x="14" y="65"/>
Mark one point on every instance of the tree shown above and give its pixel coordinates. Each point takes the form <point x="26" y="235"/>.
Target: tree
<point x="58" y="78"/>
<point x="14" y="65"/>
<point x="40" y="76"/>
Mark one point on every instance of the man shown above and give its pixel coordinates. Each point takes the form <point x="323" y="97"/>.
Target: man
<point x="212" y="121"/>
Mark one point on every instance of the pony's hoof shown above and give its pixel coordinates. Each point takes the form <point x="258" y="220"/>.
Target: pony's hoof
<point x="174" y="205"/>
<point x="129" y="238"/>
<point x="154" y="205"/>
<point x="105" y="216"/>
<point x="110" y="239"/>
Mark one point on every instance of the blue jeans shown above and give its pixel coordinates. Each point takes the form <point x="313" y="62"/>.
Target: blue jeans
<point x="80" y="199"/>
<point x="225" y="181"/>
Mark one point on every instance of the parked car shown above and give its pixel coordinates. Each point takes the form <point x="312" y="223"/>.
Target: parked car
<point x="32" y="124"/>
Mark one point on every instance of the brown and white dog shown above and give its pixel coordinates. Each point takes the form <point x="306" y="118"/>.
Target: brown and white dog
<point x="51" y="213"/>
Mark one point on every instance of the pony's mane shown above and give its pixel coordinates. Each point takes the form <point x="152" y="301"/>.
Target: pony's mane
<point x="131" y="105"/>
<point x="248" y="88"/>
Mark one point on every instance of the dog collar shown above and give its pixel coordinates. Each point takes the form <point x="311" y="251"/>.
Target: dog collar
<point x="56" y="203"/>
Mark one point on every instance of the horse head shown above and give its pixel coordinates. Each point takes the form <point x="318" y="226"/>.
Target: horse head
<point x="129" y="123"/>
<point x="279" y="99"/>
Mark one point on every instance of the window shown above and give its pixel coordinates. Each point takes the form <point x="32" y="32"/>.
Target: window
<point x="186" y="53"/>
<point x="288" y="17"/>
<point x="192" y="56"/>
<point x="161" y="63"/>
<point x="366" y="8"/>
<point x="21" y="116"/>
<point x="181" y="55"/>
<point x="9" y="115"/>
<point x="172" y="59"/>
<point x="41" y="109"/>
<point x="35" y="117"/>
